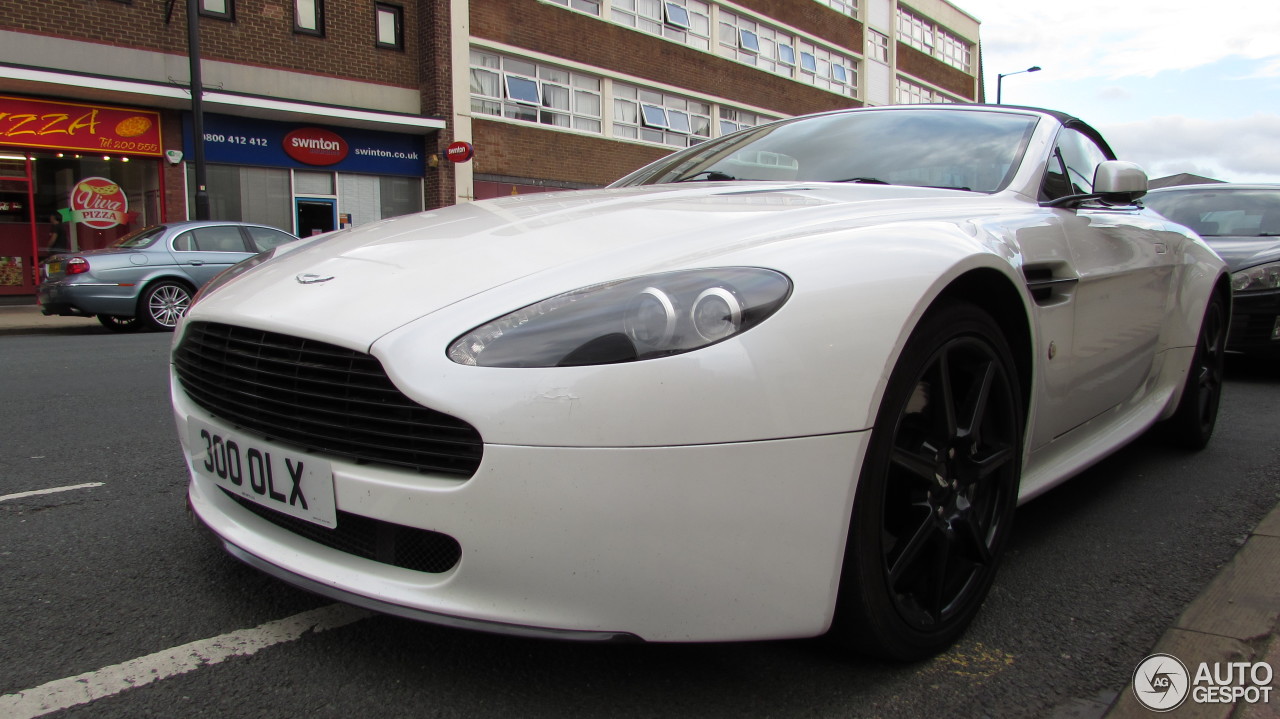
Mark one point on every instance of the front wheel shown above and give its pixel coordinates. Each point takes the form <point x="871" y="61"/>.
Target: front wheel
<point x="163" y="304"/>
<point x="1192" y="423"/>
<point x="936" y="495"/>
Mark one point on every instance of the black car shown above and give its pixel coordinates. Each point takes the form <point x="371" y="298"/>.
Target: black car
<point x="1242" y="224"/>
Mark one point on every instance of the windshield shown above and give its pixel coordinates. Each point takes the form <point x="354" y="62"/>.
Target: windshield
<point x="140" y="238"/>
<point x="1213" y="213"/>
<point x="938" y="147"/>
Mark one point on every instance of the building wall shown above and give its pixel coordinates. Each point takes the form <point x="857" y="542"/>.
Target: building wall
<point x="260" y="35"/>
<point x="510" y="150"/>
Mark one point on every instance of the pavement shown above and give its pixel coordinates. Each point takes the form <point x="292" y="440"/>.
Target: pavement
<point x="1236" y="618"/>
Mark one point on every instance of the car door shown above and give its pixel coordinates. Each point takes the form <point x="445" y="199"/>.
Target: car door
<point x="1124" y="263"/>
<point x="203" y="252"/>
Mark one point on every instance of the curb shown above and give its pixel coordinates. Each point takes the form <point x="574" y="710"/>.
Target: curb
<point x="1234" y="619"/>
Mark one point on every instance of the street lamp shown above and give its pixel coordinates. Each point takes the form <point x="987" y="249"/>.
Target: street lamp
<point x="1000" y="79"/>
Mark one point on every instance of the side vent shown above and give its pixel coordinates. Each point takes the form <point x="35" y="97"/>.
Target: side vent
<point x="1049" y="284"/>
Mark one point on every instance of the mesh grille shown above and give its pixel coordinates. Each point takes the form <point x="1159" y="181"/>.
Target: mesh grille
<point x="318" y="396"/>
<point x="418" y="549"/>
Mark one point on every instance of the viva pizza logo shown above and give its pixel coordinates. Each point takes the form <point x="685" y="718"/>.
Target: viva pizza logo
<point x="98" y="203"/>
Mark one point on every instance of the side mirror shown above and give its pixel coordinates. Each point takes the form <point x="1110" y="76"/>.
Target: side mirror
<point x="1118" y="181"/>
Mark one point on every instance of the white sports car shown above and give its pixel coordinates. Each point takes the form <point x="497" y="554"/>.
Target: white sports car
<point x="788" y="382"/>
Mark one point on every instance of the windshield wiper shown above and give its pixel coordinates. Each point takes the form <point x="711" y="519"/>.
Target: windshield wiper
<point x="711" y="176"/>
<point x="864" y="181"/>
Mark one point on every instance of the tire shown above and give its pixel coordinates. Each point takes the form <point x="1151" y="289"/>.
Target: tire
<point x="116" y="323"/>
<point x="1192" y="423"/>
<point x="937" y="491"/>
<point x="163" y="304"/>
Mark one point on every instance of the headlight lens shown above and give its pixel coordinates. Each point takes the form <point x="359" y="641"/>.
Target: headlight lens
<point x="1254" y="279"/>
<point x="628" y="320"/>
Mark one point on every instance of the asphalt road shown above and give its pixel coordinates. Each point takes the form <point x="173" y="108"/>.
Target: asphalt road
<point x="100" y="576"/>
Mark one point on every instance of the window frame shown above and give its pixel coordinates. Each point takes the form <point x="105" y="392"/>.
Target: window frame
<point x="318" y="9"/>
<point x="229" y="14"/>
<point x="397" y="14"/>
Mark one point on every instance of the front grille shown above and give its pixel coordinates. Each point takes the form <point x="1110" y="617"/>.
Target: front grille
<point x="417" y="549"/>
<point x="318" y="396"/>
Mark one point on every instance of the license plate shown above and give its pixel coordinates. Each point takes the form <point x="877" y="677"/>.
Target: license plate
<point x="295" y="483"/>
<point x="54" y="268"/>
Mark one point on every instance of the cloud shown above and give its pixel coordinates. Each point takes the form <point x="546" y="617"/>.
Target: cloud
<point x="1130" y="38"/>
<point x="1238" y="149"/>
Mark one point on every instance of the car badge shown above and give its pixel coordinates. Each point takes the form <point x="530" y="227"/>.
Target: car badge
<point x="312" y="279"/>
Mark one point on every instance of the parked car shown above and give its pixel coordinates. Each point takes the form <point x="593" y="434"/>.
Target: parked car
<point x="787" y="382"/>
<point x="147" y="278"/>
<point x="1241" y="223"/>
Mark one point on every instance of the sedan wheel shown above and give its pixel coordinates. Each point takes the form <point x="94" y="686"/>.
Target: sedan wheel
<point x="116" y="323"/>
<point x="938" y="488"/>
<point x="164" y="303"/>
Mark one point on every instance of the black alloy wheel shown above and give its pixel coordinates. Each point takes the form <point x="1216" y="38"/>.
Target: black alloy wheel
<point x="117" y="323"/>
<point x="1192" y="423"/>
<point x="937" y="492"/>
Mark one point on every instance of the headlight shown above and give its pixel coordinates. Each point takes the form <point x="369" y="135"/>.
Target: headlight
<point x="1254" y="279"/>
<point x="627" y="320"/>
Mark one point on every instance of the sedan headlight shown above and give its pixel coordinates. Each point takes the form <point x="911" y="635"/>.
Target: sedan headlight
<point x="628" y="320"/>
<point x="1255" y="279"/>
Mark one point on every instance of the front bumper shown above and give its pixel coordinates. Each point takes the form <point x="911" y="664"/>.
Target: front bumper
<point x="1255" y="321"/>
<point x="692" y="543"/>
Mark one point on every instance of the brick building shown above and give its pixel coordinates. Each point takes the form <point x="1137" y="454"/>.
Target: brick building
<point x="325" y="113"/>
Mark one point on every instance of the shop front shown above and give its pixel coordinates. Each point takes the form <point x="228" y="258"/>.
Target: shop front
<point x="306" y="179"/>
<point x="73" y="177"/>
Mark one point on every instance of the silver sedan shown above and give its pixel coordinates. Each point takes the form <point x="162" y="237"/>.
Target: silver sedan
<point x="149" y="277"/>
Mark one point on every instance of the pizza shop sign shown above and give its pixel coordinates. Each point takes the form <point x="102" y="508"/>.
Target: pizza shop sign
<point x="98" y="203"/>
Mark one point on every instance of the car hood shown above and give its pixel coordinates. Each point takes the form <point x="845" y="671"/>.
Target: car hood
<point x="1244" y="252"/>
<point x="354" y="286"/>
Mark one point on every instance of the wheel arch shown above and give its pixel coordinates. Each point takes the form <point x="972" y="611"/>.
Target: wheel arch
<point x="997" y="295"/>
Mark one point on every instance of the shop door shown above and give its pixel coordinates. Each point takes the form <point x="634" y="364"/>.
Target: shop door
<point x="316" y="215"/>
<point x="17" y="226"/>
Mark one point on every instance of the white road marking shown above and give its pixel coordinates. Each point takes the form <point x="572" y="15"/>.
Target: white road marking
<point x="64" y="693"/>
<point x="37" y="492"/>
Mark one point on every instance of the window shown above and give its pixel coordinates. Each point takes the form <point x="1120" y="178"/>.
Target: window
<point x="225" y="238"/>
<point x="910" y="93"/>
<point x="588" y="6"/>
<point x="952" y="50"/>
<point x="678" y="16"/>
<point x="749" y="42"/>
<point x="1071" y="167"/>
<point x="308" y="17"/>
<point x="925" y="37"/>
<point x="266" y="238"/>
<point x="877" y="46"/>
<point x="847" y="7"/>
<point x="828" y="70"/>
<point x="687" y="22"/>
<point x="786" y="54"/>
<point x="915" y="31"/>
<point x="389" y="25"/>
<point x="656" y="117"/>
<point x="732" y="120"/>
<point x="224" y="9"/>
<point x="533" y="92"/>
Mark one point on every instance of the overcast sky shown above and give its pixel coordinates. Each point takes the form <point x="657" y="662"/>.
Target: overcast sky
<point x="1174" y="85"/>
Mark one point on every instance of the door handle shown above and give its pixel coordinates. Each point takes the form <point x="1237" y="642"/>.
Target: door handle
<point x="197" y="263"/>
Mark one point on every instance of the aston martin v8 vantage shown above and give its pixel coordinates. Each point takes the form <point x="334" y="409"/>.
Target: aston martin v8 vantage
<point x="789" y="382"/>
